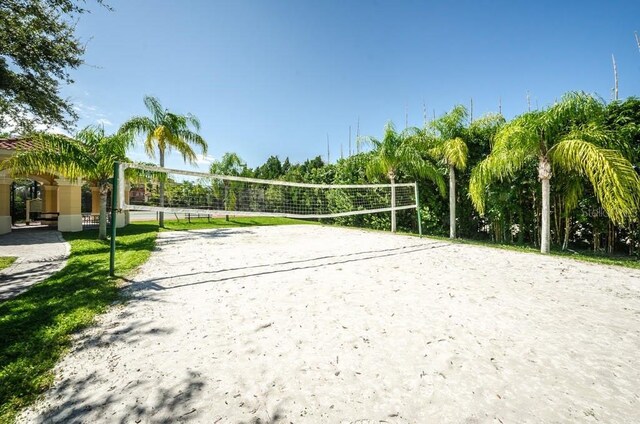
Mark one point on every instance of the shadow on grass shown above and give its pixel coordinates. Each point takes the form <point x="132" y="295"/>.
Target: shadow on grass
<point x="35" y="327"/>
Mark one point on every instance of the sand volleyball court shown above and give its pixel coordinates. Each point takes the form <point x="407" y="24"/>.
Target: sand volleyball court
<point x="310" y="324"/>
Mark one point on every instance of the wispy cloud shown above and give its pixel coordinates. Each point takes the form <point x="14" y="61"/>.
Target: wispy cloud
<point x="204" y="160"/>
<point x="104" y="121"/>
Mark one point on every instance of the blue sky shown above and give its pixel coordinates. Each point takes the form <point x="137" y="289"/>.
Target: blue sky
<point x="275" y="77"/>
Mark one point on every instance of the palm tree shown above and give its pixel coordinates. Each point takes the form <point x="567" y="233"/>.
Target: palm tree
<point x="444" y="141"/>
<point x="89" y="155"/>
<point x="396" y="152"/>
<point x="569" y="136"/>
<point x="230" y="164"/>
<point x="165" y="131"/>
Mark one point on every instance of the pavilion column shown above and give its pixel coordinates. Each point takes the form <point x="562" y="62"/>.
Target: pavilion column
<point x="69" y="203"/>
<point x="5" y="204"/>
<point x="95" y="200"/>
<point x="49" y="198"/>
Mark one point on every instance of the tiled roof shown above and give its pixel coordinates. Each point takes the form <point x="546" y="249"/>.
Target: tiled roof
<point x="15" y="143"/>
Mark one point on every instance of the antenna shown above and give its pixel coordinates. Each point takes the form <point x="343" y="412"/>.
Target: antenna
<point x="349" y="140"/>
<point x="341" y="154"/>
<point x="358" y="136"/>
<point x="500" y="105"/>
<point x="406" y="116"/>
<point x="424" y="112"/>
<point x="615" y="77"/>
<point x="471" y="111"/>
<point x="328" y="153"/>
<point x="528" y="101"/>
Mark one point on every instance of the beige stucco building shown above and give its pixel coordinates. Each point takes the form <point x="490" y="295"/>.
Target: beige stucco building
<point x="61" y="198"/>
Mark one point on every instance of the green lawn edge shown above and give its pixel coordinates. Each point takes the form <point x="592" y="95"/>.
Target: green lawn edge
<point x="36" y="327"/>
<point x="630" y="262"/>
<point x="6" y="261"/>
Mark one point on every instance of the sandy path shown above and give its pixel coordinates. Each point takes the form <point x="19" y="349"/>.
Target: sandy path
<point x="319" y="324"/>
<point x="40" y="252"/>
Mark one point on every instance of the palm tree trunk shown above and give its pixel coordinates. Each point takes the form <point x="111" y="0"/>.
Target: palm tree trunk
<point x="521" y="225"/>
<point x="161" y="192"/>
<point x="452" y="202"/>
<point x="567" y="230"/>
<point x="393" y="202"/>
<point x="102" y="219"/>
<point x="544" y="174"/>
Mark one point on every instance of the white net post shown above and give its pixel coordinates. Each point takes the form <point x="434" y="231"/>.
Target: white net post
<point x="393" y="206"/>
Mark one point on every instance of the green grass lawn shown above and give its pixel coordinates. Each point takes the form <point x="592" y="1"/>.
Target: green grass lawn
<point x="585" y="256"/>
<point x="36" y="326"/>
<point x="6" y="261"/>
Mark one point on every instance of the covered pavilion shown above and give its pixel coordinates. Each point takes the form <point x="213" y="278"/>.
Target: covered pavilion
<point x="61" y="199"/>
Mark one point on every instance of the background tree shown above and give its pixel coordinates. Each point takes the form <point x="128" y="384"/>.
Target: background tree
<point x="396" y="152"/>
<point x="89" y="156"/>
<point x="37" y="51"/>
<point x="229" y="164"/>
<point x="165" y="131"/>
<point x="444" y="139"/>
<point x="272" y="169"/>
<point x="568" y="136"/>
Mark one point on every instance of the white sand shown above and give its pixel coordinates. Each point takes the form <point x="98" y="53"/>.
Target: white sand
<point x="325" y="325"/>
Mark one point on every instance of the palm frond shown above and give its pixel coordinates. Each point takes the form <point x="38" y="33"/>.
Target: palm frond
<point x="376" y="167"/>
<point x="153" y="105"/>
<point x="573" y="190"/>
<point x="138" y="125"/>
<point x="615" y="182"/>
<point x="51" y="154"/>
<point x="455" y="152"/>
<point x="498" y="166"/>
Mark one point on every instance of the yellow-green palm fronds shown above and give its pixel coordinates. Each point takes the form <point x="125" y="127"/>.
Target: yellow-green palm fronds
<point x="615" y="182"/>
<point x="498" y="166"/>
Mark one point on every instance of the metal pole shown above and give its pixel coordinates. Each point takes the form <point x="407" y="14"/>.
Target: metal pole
<point x="114" y="204"/>
<point x="418" y="210"/>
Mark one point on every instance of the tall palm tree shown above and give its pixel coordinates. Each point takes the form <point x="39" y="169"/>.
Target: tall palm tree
<point x="569" y="136"/>
<point x="444" y="142"/>
<point x="396" y="152"/>
<point x="89" y="155"/>
<point x="165" y="131"/>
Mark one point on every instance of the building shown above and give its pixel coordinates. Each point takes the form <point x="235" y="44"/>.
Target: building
<point x="61" y="198"/>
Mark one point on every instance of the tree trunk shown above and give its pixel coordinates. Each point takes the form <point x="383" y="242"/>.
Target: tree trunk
<point x="392" y="178"/>
<point x="102" y="219"/>
<point x="452" y="202"/>
<point x="544" y="174"/>
<point x="521" y="225"/>
<point x="161" y="192"/>
<point x="567" y="230"/>
<point x="611" y="237"/>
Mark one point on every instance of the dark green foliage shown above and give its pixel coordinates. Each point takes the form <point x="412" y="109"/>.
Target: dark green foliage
<point x="513" y="205"/>
<point x="38" y="49"/>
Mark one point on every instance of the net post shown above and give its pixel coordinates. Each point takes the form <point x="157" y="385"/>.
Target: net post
<point x="114" y="201"/>
<point x="418" y="210"/>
